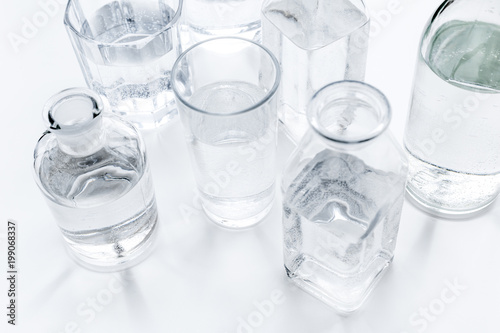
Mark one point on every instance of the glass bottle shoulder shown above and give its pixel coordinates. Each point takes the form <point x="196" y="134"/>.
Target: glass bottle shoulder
<point x="382" y="154"/>
<point x="83" y="181"/>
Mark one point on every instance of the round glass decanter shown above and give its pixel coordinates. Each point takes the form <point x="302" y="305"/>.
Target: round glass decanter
<point x="93" y="171"/>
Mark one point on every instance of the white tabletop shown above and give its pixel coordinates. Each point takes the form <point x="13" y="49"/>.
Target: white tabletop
<point x="200" y="278"/>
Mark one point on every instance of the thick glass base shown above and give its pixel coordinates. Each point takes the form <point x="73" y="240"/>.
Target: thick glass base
<point x="430" y="207"/>
<point x="121" y="262"/>
<point x="344" y="293"/>
<point x="238" y="224"/>
<point x="238" y="213"/>
<point x="449" y="194"/>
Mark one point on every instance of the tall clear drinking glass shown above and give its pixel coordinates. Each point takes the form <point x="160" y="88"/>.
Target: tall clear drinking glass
<point x="205" y="19"/>
<point x="126" y="50"/>
<point x="225" y="89"/>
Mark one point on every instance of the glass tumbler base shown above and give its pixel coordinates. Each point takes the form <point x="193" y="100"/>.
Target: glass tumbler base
<point x="238" y="224"/>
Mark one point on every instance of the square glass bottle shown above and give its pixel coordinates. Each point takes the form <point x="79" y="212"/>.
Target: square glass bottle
<point x="343" y="191"/>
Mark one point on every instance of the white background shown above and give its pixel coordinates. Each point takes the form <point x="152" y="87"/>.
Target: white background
<point x="201" y="278"/>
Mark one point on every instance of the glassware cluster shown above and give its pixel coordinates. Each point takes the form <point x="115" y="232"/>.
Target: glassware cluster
<point x="246" y="67"/>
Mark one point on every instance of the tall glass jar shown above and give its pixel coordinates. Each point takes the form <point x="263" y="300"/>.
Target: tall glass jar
<point x="93" y="171"/>
<point x="316" y="42"/>
<point x="454" y="119"/>
<point x="343" y="191"/>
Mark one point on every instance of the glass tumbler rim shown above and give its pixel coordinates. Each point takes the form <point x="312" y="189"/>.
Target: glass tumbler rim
<point x="144" y="40"/>
<point x="262" y="101"/>
<point x="368" y="90"/>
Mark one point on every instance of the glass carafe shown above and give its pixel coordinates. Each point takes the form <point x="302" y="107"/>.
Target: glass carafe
<point x="343" y="191"/>
<point x="452" y="131"/>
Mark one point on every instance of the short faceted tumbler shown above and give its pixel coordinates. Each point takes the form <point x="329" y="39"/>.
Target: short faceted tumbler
<point x="225" y="89"/>
<point x="126" y="50"/>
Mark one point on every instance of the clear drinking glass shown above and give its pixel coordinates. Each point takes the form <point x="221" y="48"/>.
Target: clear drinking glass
<point x="452" y="132"/>
<point x="343" y="192"/>
<point x="316" y="42"/>
<point x="205" y="19"/>
<point x="126" y="50"/>
<point x="93" y="171"/>
<point x="225" y="89"/>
